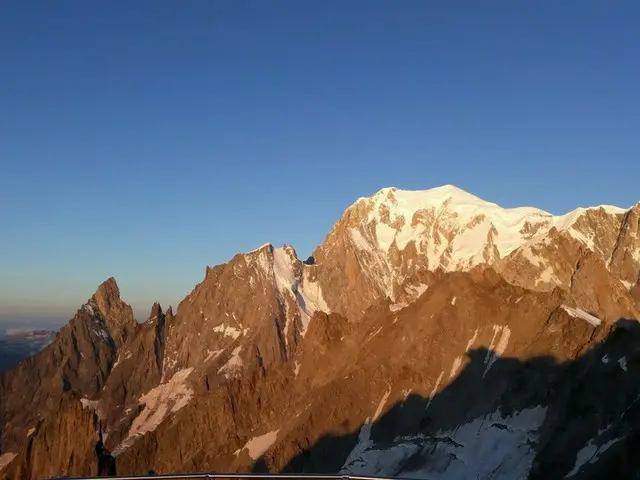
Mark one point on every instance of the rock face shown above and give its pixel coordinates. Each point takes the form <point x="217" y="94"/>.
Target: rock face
<point x="137" y="370"/>
<point x="63" y="442"/>
<point x="431" y="335"/>
<point x="635" y="294"/>
<point x="251" y="311"/>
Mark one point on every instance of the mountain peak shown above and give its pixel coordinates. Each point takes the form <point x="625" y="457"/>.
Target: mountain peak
<point x="261" y="247"/>
<point x="442" y="190"/>
<point x="107" y="295"/>
<point x="437" y="195"/>
<point x="108" y="288"/>
<point x="454" y="195"/>
<point x="413" y="200"/>
<point x="393" y="202"/>
<point x="395" y="231"/>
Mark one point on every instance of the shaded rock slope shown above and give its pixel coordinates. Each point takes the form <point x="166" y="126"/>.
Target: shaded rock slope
<point x="435" y="335"/>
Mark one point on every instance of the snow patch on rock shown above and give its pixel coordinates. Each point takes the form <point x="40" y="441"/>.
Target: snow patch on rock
<point x="533" y="259"/>
<point x="159" y="402"/>
<point x="228" y="331"/>
<point x="102" y="333"/>
<point x="591" y="452"/>
<point x="359" y="241"/>
<point x="362" y="456"/>
<point x="382" y="403"/>
<point x="127" y="355"/>
<point x="577" y="313"/>
<point x="472" y="340"/>
<point x="89" y="307"/>
<point x="378" y="330"/>
<point x="623" y="363"/>
<point x="264" y="245"/>
<point x="499" y="349"/>
<point x="233" y="365"/>
<point x="213" y="354"/>
<point x="292" y="281"/>
<point x="457" y="362"/>
<point x="394" y="307"/>
<point x="413" y="293"/>
<point x="90" y="404"/>
<point x="627" y="285"/>
<point x="435" y="389"/>
<point x="416" y="291"/>
<point x="310" y="300"/>
<point x="258" y="445"/>
<point x="385" y="235"/>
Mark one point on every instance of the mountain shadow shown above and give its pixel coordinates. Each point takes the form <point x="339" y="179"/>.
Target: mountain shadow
<point x="502" y="417"/>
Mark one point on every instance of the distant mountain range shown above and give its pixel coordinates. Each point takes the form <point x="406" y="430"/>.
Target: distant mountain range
<point x="432" y="335"/>
<point x="18" y="344"/>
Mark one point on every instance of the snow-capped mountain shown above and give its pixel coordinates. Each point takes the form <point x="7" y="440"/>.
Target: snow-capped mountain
<point x="425" y="316"/>
<point x="388" y="242"/>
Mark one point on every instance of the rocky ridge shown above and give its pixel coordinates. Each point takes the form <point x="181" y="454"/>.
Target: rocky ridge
<point x="411" y="295"/>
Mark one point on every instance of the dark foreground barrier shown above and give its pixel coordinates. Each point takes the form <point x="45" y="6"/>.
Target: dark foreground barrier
<point x="229" y="476"/>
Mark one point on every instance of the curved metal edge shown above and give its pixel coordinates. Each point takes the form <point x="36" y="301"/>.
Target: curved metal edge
<point x="231" y="476"/>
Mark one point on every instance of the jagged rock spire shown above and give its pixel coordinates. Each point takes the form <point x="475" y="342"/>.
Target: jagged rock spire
<point x="169" y="316"/>
<point x="156" y="311"/>
<point x="107" y="295"/>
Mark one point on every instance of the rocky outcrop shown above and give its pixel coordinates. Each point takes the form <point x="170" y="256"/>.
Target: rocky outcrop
<point x="248" y="313"/>
<point x="63" y="442"/>
<point x="595" y="290"/>
<point x="608" y="234"/>
<point x="116" y="314"/>
<point x="137" y="370"/>
<point x="78" y="361"/>
<point x="635" y="293"/>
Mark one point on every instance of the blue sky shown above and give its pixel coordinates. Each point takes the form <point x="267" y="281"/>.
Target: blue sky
<point x="148" y="139"/>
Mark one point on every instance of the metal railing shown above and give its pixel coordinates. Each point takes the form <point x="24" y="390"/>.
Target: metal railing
<point x="231" y="476"/>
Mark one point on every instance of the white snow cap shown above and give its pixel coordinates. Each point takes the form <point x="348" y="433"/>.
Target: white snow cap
<point x="472" y="219"/>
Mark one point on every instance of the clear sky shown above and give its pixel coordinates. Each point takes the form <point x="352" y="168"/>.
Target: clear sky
<point x="148" y="139"/>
